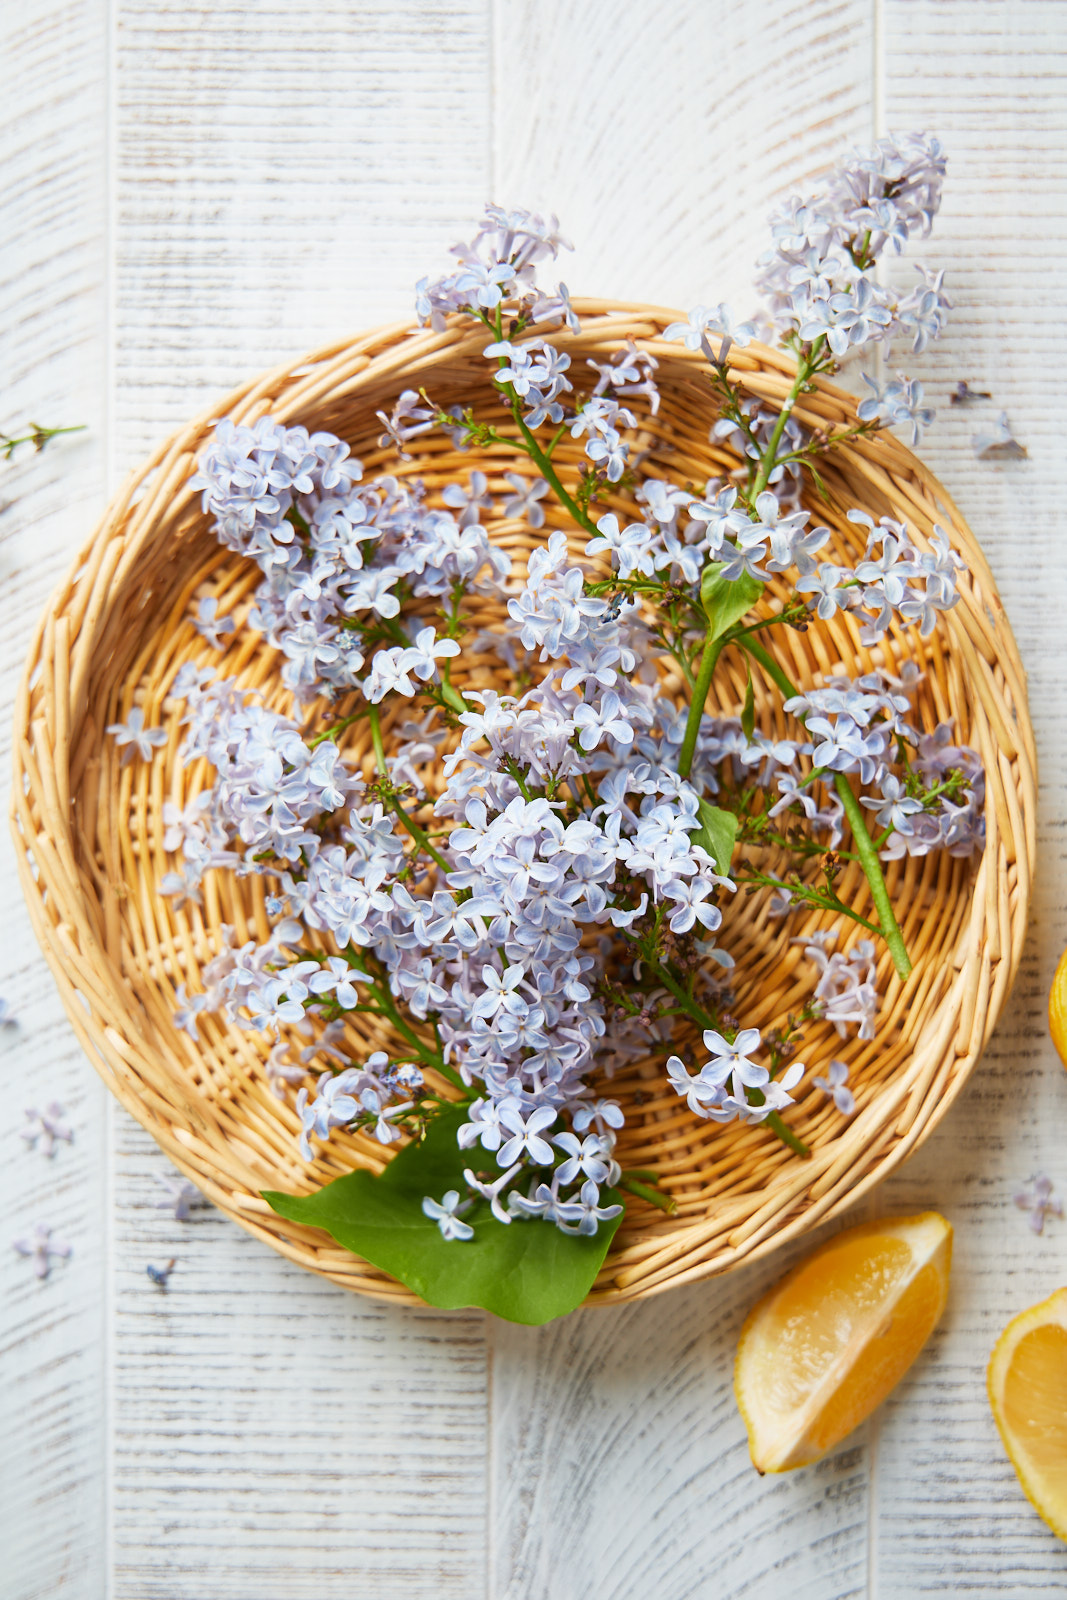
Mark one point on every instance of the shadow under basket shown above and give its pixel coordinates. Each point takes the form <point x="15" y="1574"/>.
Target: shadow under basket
<point x="89" y="832"/>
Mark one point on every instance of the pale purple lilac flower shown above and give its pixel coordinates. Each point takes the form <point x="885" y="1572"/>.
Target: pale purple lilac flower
<point x="46" y="1127"/>
<point x="835" y="1084"/>
<point x="41" y="1249"/>
<point x="183" y="1198"/>
<point x="135" y="738"/>
<point x="1036" y="1199"/>
<point x="446" y="1213"/>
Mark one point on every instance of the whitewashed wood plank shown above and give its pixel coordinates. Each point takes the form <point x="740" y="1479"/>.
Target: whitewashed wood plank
<point x="275" y="1437"/>
<point x="282" y="175"/>
<point x="621" y="1468"/>
<point x="619" y="1463"/>
<point x="991" y="79"/>
<point x="661" y="137"/>
<point x="53" y="358"/>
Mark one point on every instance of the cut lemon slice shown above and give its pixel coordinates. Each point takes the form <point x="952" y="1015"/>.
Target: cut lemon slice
<point x="1028" y="1393"/>
<point x="1057" y="1009"/>
<point x="829" y="1342"/>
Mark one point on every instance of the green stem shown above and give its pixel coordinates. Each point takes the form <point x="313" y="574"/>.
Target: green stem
<point x="336" y="727"/>
<point x="868" y="854"/>
<point x="548" y="471"/>
<point x="431" y="1058"/>
<point x="39" y="437"/>
<point x="533" y="449"/>
<point x="655" y="1197"/>
<point x="419" y="835"/>
<point x="889" y="928"/>
<point x="708" y="661"/>
<point x="773" y="1121"/>
<point x="805" y="366"/>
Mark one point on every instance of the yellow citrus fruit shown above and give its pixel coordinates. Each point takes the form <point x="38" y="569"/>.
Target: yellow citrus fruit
<point x="829" y="1342"/>
<point x="1028" y="1394"/>
<point x="1057" y="1009"/>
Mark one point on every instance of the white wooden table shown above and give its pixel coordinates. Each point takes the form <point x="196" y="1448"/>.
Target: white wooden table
<point x="193" y="192"/>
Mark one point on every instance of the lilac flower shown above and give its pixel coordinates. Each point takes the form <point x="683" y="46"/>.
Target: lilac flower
<point x="525" y="501"/>
<point x="898" y="404"/>
<point x="591" y="1156"/>
<point x="47" y="1126"/>
<point x="445" y="1212"/>
<point x="526" y="1134"/>
<point x="724" y="519"/>
<point x="160" y="1276"/>
<point x="543" y="1201"/>
<point x="703" y="320"/>
<point x="1036" y="1199"/>
<point x="469" y="502"/>
<point x="831" y="584"/>
<point x="998" y="443"/>
<point x="40" y="1248"/>
<point x="137" y="739"/>
<point x="493" y="1191"/>
<point x="189" y="1009"/>
<point x="183" y="1198"/>
<point x="605" y="1114"/>
<point x="211" y="627"/>
<point x="582" y="1216"/>
<point x="835" y="1084"/>
<point x="630" y="547"/>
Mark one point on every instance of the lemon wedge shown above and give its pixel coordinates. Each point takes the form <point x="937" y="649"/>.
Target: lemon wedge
<point x="829" y="1342"/>
<point x="1057" y="1009"/>
<point x="1028" y="1394"/>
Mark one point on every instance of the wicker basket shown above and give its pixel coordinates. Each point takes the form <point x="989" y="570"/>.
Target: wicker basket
<point x="89" y="832"/>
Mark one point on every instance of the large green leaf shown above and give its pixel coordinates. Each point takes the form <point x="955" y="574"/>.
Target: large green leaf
<point x="525" y="1271"/>
<point x="716" y="834"/>
<point x="725" y="602"/>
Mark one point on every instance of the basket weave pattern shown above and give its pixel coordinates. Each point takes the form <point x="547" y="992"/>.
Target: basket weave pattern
<point x="89" y="831"/>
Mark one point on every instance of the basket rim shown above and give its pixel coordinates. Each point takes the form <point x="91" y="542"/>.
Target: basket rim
<point x="47" y="721"/>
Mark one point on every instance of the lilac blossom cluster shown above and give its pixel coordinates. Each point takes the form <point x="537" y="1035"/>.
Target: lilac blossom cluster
<point x="823" y="295"/>
<point x="529" y="890"/>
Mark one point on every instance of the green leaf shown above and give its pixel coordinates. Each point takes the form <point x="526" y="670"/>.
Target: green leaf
<point x="726" y="602"/>
<point x="525" y="1271"/>
<point x="716" y="834"/>
<point x="748" y="713"/>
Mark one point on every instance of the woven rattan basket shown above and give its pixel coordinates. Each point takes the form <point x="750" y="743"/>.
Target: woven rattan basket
<point x="89" y="832"/>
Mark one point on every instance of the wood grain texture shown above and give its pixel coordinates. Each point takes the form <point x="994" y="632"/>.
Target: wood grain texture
<point x="53" y="359"/>
<point x="621" y="1468"/>
<point x="274" y="1437"/>
<point x="661" y="138"/>
<point x="283" y="174"/>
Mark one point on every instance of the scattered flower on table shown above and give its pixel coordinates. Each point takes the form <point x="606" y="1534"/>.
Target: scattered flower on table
<point x="135" y="737"/>
<point x="998" y="443"/>
<point x="964" y="395"/>
<point x="47" y="1127"/>
<point x="183" y="1198"/>
<point x="1036" y="1199"/>
<point x="835" y="1084"/>
<point x="160" y="1276"/>
<point x="8" y="1018"/>
<point x="41" y="1249"/>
